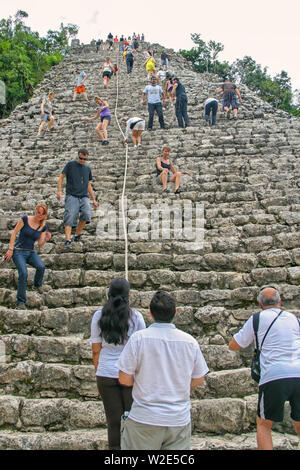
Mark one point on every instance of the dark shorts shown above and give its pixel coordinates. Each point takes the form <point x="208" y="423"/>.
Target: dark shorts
<point x="105" y="117"/>
<point x="106" y="74"/>
<point x="230" y="100"/>
<point x="273" y="395"/>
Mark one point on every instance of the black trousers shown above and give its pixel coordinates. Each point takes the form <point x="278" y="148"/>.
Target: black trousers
<point x="116" y="399"/>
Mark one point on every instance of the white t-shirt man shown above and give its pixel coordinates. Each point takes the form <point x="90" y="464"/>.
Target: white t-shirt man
<point x="163" y="360"/>
<point x="280" y="354"/>
<point x="153" y="93"/>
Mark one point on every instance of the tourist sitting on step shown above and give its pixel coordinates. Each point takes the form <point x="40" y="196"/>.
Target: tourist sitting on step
<point x="230" y="95"/>
<point x="29" y="229"/>
<point x="106" y="72"/>
<point x="112" y="326"/>
<point x="80" y="84"/>
<point x="211" y="107"/>
<point x="104" y="115"/>
<point x="46" y="112"/>
<point x="162" y="364"/>
<point x="165" y="172"/>
<point x="154" y="94"/>
<point x="181" y="103"/>
<point x="137" y="126"/>
<point x="78" y="189"/>
<point x="276" y="335"/>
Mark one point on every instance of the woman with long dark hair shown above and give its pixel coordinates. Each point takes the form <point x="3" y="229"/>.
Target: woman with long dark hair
<point x="111" y="328"/>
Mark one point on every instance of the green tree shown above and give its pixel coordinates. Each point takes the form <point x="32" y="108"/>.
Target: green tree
<point x="25" y="57"/>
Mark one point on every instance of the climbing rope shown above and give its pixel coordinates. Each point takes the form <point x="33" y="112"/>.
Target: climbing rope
<point x="125" y="175"/>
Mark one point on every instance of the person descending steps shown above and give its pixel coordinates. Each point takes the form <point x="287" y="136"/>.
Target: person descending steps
<point x="78" y="189"/>
<point x="80" y="84"/>
<point x="104" y="115"/>
<point x="46" y="112"/>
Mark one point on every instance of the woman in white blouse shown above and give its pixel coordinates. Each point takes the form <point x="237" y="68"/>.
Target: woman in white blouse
<point x="111" y="327"/>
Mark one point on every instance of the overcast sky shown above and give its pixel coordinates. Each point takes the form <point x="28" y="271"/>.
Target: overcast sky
<point x="267" y="30"/>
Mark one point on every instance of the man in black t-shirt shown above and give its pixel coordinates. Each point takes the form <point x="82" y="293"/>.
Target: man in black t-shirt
<point x="78" y="189"/>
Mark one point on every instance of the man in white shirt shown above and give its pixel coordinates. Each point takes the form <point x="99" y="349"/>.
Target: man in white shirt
<point x="154" y="94"/>
<point x="279" y="362"/>
<point x="162" y="364"/>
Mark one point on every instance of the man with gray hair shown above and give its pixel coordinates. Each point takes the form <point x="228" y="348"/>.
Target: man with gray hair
<point x="279" y="363"/>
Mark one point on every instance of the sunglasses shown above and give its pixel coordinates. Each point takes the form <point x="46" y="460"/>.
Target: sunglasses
<point x="83" y="158"/>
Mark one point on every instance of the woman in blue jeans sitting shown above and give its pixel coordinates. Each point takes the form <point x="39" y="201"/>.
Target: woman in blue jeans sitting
<point x="29" y="229"/>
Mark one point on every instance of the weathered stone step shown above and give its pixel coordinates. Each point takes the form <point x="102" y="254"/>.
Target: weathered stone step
<point x="49" y="379"/>
<point x="245" y="441"/>
<point x="96" y="439"/>
<point x="82" y="439"/>
<point x="216" y="416"/>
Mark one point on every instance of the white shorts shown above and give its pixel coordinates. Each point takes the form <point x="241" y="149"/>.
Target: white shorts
<point x="139" y="126"/>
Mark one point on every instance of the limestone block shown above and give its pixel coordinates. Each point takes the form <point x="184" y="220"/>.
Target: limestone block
<point x="9" y="410"/>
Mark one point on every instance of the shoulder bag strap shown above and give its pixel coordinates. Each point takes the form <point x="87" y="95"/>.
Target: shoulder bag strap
<point x="255" y="320"/>
<point x="269" y="329"/>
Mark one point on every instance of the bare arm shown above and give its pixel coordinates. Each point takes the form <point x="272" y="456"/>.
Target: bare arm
<point x="172" y="168"/>
<point x="126" y="379"/>
<point x="197" y="382"/>
<point x="220" y="90"/>
<point x="158" y="164"/>
<point x="91" y="193"/>
<point x="42" y="107"/>
<point x="96" y="350"/>
<point x="233" y="345"/>
<point x="59" y="184"/>
<point x="239" y="94"/>
<point x="12" y="240"/>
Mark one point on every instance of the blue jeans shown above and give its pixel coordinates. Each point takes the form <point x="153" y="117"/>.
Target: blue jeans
<point x="20" y="258"/>
<point x="152" y="107"/>
<point x="181" y="110"/>
<point x="211" y="107"/>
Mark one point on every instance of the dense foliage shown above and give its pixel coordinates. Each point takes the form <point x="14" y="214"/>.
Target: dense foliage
<point x="276" y="91"/>
<point x="25" y="57"/>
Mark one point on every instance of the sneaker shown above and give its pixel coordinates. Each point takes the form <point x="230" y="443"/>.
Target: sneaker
<point x="68" y="243"/>
<point x="135" y="146"/>
<point x="149" y="129"/>
<point x="228" y="114"/>
<point x="20" y="306"/>
<point x="178" y="191"/>
<point x="139" y="145"/>
<point x="77" y="238"/>
<point x="166" y="191"/>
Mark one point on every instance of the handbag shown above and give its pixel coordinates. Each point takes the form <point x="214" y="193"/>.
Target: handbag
<point x="255" y="364"/>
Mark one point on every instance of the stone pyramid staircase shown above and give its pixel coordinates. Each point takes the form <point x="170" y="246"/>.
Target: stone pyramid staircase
<point x="246" y="177"/>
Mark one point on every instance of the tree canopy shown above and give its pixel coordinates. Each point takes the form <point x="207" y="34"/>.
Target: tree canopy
<point x="25" y="57"/>
<point x="276" y="91"/>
